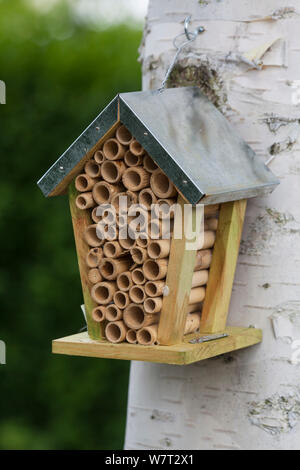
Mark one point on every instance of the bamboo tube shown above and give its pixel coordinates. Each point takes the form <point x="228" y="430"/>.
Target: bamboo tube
<point x="155" y="270"/>
<point x="98" y="314"/>
<point x="147" y="198"/>
<point x="113" y="313"/>
<point x="94" y="275"/>
<point x="131" y="198"/>
<point x="203" y="259"/>
<point x="94" y="256"/>
<point x="113" y="150"/>
<point x="135" y="178"/>
<point x="124" y="281"/>
<point x="131" y="337"/>
<point x="84" y="182"/>
<point x="93" y="169"/>
<point x="159" y="249"/>
<point x="192" y="323"/>
<point x="112" y="171"/>
<point x="208" y="240"/>
<point x="138" y="254"/>
<point x="125" y="240"/>
<point x="154" y="288"/>
<point x="194" y="308"/>
<point x="96" y="218"/>
<point x="136" y="148"/>
<point x="211" y="224"/>
<point x="197" y="294"/>
<point x="137" y="294"/>
<point x="103" y="292"/>
<point x="107" y="231"/>
<point x="153" y="304"/>
<point x="165" y="208"/>
<point x="142" y="240"/>
<point x="149" y="164"/>
<point x="132" y="160"/>
<point x="161" y="185"/>
<point x="116" y="331"/>
<point x="138" y="276"/>
<point x="84" y="201"/>
<point x="211" y="210"/>
<point x="91" y="236"/>
<point x="123" y="135"/>
<point x="200" y="278"/>
<point x="112" y="249"/>
<point x="99" y="156"/>
<point x="135" y="317"/>
<point x="148" y="335"/>
<point x="121" y="299"/>
<point x="110" y="268"/>
<point x="103" y="191"/>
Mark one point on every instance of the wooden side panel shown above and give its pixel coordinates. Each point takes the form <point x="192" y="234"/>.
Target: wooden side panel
<point x="221" y="274"/>
<point x="81" y="219"/>
<point x="179" y="281"/>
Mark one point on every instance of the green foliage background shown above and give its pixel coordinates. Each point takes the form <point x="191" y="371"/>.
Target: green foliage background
<point x="59" y="74"/>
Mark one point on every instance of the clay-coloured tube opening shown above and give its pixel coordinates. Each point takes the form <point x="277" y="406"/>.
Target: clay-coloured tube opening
<point x="113" y="313"/>
<point x="138" y="276"/>
<point x="107" y="268"/>
<point x="93" y="257"/>
<point x="110" y="250"/>
<point x="113" y="332"/>
<point x="101" y="293"/>
<point x="81" y="183"/>
<point x="142" y="240"/>
<point x="131" y="336"/>
<point x="132" y="160"/>
<point x="82" y="202"/>
<point x="124" y="281"/>
<point x="149" y="305"/>
<point x="134" y="316"/>
<point x="147" y="198"/>
<point x="96" y="218"/>
<point x="151" y="289"/>
<point x="112" y="171"/>
<point x="101" y="193"/>
<point x="133" y="178"/>
<point x="137" y="254"/>
<point x="123" y="135"/>
<point x="98" y="314"/>
<point x="154" y="250"/>
<point x="121" y="299"/>
<point x="137" y="294"/>
<point x="98" y="156"/>
<point x="113" y="150"/>
<point x="92" y="169"/>
<point x="161" y="185"/>
<point x="91" y="236"/>
<point x="149" y="164"/>
<point x="155" y="269"/>
<point x="145" y="337"/>
<point x="136" y="148"/>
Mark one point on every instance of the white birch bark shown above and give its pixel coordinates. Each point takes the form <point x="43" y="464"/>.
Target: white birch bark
<point x="249" y="399"/>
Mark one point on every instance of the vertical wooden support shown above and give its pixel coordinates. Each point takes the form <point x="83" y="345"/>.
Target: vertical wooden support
<point x="179" y="282"/>
<point x="81" y="219"/>
<point x="221" y="274"/>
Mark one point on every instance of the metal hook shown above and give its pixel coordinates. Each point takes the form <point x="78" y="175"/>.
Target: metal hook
<point x="190" y="36"/>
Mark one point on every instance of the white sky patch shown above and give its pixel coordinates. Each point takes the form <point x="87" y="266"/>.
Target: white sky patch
<point x="102" y="12"/>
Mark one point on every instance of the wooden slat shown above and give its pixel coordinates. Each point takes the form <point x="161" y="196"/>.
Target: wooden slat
<point x="179" y="281"/>
<point x="81" y="219"/>
<point x="183" y="353"/>
<point x="222" y="270"/>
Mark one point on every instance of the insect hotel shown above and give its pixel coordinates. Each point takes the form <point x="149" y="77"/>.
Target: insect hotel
<point x="147" y="295"/>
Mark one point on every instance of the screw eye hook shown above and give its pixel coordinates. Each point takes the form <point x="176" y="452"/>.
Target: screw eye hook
<point x="191" y="35"/>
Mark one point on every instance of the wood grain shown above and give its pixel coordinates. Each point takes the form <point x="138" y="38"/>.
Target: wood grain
<point x="223" y="265"/>
<point x="80" y="220"/>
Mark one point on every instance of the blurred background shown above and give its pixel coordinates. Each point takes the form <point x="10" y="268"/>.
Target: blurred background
<point x="62" y="62"/>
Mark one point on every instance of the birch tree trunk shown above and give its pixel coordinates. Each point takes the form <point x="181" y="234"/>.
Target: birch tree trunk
<point x="248" y="63"/>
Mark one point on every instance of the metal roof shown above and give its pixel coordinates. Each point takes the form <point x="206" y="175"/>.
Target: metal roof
<point x="186" y="135"/>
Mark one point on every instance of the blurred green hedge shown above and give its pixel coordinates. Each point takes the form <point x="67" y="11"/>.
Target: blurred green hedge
<point x="59" y="74"/>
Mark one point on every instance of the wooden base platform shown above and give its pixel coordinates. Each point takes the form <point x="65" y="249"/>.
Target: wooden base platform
<point x="184" y="353"/>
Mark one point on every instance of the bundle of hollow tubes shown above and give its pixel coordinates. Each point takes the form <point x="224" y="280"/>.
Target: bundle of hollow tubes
<point x="131" y="204"/>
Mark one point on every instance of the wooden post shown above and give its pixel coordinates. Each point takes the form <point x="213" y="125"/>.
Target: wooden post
<point x="81" y="219"/>
<point x="221" y="273"/>
<point x="179" y="281"/>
